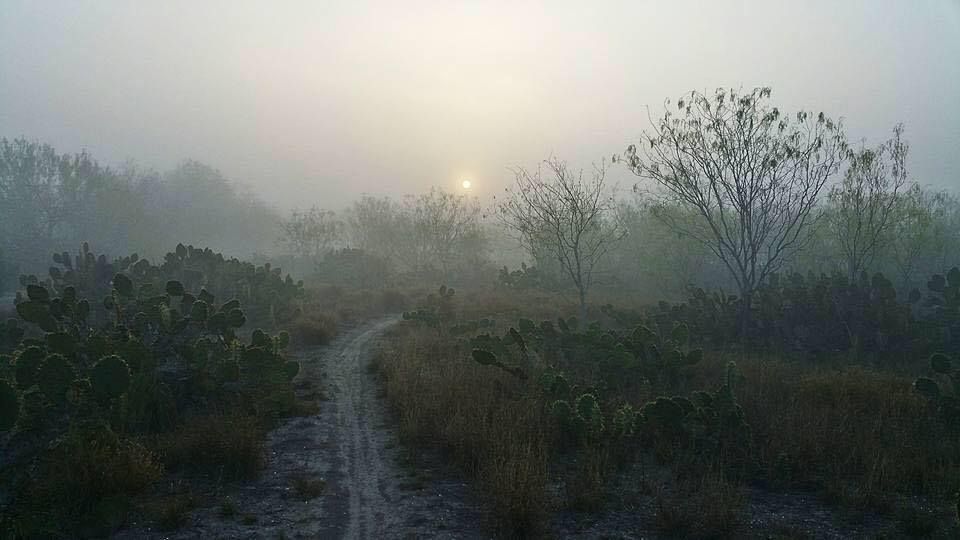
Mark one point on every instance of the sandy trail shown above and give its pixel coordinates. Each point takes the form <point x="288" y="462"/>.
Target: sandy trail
<point x="349" y="450"/>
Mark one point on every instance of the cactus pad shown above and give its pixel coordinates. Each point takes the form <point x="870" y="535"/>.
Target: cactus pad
<point x="54" y="377"/>
<point x="110" y="377"/>
<point x="9" y="406"/>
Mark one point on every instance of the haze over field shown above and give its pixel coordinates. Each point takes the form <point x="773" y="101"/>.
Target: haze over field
<point x="480" y="269"/>
<point x="316" y="102"/>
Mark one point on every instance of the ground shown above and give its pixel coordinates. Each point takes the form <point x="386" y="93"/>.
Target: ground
<point x="339" y="473"/>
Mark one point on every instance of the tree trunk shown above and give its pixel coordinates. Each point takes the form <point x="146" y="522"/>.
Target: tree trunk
<point x="583" y="306"/>
<point x="745" y="316"/>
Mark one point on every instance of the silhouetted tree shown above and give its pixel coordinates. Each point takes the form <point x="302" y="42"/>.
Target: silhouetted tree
<point x="752" y="174"/>
<point x="311" y="233"/>
<point x="565" y="215"/>
<point x="862" y="204"/>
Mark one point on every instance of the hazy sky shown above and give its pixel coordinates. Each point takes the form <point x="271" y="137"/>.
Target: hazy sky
<point x="313" y="102"/>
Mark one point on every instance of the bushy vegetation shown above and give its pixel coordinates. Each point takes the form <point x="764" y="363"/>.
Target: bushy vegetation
<point x="115" y="370"/>
<point x="779" y="313"/>
<point x="51" y="201"/>
<point x="559" y="414"/>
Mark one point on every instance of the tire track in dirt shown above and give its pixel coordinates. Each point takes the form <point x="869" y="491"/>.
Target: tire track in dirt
<point x="349" y="448"/>
<point x="361" y="443"/>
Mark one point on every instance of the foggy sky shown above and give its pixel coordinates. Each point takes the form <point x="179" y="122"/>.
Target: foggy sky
<point x="314" y="102"/>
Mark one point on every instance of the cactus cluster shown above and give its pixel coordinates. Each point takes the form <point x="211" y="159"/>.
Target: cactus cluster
<point x="821" y="313"/>
<point x="110" y="377"/>
<point x="487" y="358"/>
<point x="152" y="348"/>
<point x="579" y="422"/>
<point x="712" y="423"/>
<point x="944" y="396"/>
<point x="527" y="277"/>
<point x="264" y="289"/>
<point x="274" y="297"/>
<point x="54" y="378"/>
<point x="437" y="311"/>
<point x="9" y="406"/>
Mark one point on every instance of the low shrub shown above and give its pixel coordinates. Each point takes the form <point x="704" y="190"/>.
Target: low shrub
<point x="479" y="418"/>
<point x="172" y="511"/>
<point x="857" y="435"/>
<point x="218" y="446"/>
<point x="393" y="301"/>
<point x="84" y="483"/>
<point x="708" y="507"/>
<point x="314" y="329"/>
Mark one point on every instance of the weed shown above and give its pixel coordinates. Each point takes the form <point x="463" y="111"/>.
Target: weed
<point x="217" y="446"/>
<point x="307" y="488"/>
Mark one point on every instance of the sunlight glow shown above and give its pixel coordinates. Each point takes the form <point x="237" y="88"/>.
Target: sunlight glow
<point x="467" y="184"/>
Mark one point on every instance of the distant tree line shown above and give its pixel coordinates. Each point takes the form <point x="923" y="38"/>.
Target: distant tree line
<point x="732" y="191"/>
<point x="435" y="236"/>
<point x="52" y="202"/>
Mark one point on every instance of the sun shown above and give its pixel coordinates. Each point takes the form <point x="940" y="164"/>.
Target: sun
<point x="466" y="184"/>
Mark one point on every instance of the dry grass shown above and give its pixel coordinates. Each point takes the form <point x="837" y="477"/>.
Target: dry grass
<point x="222" y="447"/>
<point x="860" y="437"/>
<point x="353" y="306"/>
<point x="483" y="418"/>
<point x="84" y="484"/>
<point x="307" y="488"/>
<point x="172" y="511"/>
<point x="708" y="507"/>
<point x="313" y="328"/>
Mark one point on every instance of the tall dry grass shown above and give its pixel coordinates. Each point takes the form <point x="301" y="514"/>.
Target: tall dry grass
<point x="486" y="421"/>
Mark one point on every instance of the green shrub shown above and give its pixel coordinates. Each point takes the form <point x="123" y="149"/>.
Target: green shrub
<point x="84" y="484"/>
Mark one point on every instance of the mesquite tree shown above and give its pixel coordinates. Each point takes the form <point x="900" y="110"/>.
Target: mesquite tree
<point x="863" y="203"/>
<point x="444" y="228"/>
<point x="311" y="233"/>
<point x="571" y="218"/>
<point x="751" y="173"/>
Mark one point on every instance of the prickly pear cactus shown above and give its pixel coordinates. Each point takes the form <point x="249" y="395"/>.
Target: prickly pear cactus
<point x="624" y="422"/>
<point x="588" y="408"/>
<point x="123" y="285"/>
<point x="54" y="378"/>
<point x="9" y="406"/>
<point x="259" y="338"/>
<point x="944" y="398"/>
<point x="291" y="369"/>
<point x="235" y="318"/>
<point x="10" y="335"/>
<point x="199" y="311"/>
<point x="664" y="416"/>
<point x="27" y="364"/>
<point x="283" y="340"/>
<point x="487" y="358"/>
<point x="110" y="377"/>
<point x="175" y="288"/>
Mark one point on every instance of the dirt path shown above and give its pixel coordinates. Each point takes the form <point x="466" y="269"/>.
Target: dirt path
<point x="340" y="473"/>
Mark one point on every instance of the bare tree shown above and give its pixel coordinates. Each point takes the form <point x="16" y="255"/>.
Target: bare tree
<point x="434" y="231"/>
<point x="572" y="218"/>
<point x="442" y="226"/>
<point x="863" y="203"/>
<point x="311" y="233"/>
<point x="752" y="174"/>
<point x="372" y="225"/>
<point x="920" y="229"/>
